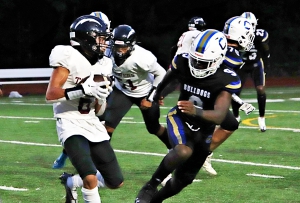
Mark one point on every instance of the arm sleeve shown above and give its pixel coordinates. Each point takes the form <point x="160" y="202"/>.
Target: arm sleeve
<point x="159" y="72"/>
<point x="166" y="85"/>
<point x="265" y="48"/>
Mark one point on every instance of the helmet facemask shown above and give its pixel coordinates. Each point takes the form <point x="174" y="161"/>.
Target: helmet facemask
<point x="246" y="41"/>
<point x="121" y="51"/>
<point x="207" y="53"/>
<point x="201" y="68"/>
<point x="124" y="39"/>
<point x="90" y="33"/>
<point x="96" y="43"/>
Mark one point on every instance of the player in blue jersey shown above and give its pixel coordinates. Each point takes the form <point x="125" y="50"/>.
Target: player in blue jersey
<point x="239" y="35"/>
<point x="256" y="59"/>
<point x="206" y="88"/>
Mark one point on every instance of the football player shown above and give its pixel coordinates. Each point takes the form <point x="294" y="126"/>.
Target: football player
<point x="240" y="35"/>
<point x="195" y="26"/>
<point x="60" y="161"/>
<point x="80" y="132"/>
<point x="196" y="23"/>
<point x="239" y="38"/>
<point x="137" y="74"/>
<point x="256" y="59"/>
<point x="205" y="97"/>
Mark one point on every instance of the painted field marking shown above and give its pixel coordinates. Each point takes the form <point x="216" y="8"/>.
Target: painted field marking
<point x="263" y="175"/>
<point x="158" y="154"/>
<point x="3" y="187"/>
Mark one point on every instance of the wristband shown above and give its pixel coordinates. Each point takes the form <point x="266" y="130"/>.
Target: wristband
<point x="237" y="99"/>
<point x="199" y="111"/>
<point x="74" y="92"/>
<point x="151" y="94"/>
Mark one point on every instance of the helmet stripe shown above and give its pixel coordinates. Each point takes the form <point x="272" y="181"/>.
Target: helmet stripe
<point x="228" y="24"/>
<point x="249" y="16"/>
<point x="204" y="39"/>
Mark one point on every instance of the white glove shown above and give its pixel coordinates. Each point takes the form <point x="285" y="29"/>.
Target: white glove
<point x="109" y="88"/>
<point x="94" y="89"/>
<point x="102" y="91"/>
<point x="89" y="86"/>
<point x="247" y="108"/>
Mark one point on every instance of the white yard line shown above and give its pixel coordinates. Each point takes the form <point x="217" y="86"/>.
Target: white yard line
<point x="158" y="154"/>
<point x="3" y="187"/>
<point x="263" y="175"/>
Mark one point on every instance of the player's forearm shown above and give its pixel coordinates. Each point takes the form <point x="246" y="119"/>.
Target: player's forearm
<point x="165" y="82"/>
<point x="159" y="73"/>
<point x="58" y="94"/>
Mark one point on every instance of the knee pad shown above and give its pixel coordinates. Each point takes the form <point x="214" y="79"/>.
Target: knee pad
<point x="230" y="123"/>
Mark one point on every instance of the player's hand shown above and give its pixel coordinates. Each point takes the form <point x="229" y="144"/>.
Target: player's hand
<point x="187" y="107"/>
<point x="161" y="101"/>
<point x="109" y="88"/>
<point x="89" y="85"/>
<point x="156" y="97"/>
<point x="102" y="90"/>
<point x="247" y="108"/>
<point x="145" y="104"/>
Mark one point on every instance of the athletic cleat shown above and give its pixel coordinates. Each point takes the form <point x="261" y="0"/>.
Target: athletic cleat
<point x="60" y="161"/>
<point x="71" y="194"/>
<point x="262" y="124"/>
<point x="145" y="194"/>
<point x="163" y="183"/>
<point x="207" y="166"/>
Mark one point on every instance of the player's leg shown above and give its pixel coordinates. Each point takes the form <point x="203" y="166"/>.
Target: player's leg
<point x="78" y="150"/>
<point x="181" y="152"/>
<point x="221" y="133"/>
<point x="60" y="161"/>
<point x="107" y="164"/>
<point x="258" y="76"/>
<point x="184" y="174"/>
<point x="118" y="105"/>
<point x="151" y="117"/>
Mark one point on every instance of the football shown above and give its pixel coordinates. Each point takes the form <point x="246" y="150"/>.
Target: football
<point x="99" y="78"/>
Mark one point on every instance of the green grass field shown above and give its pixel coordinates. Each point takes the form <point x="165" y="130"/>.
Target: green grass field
<point x="253" y="167"/>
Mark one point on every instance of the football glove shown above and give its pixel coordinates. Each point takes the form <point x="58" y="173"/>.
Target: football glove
<point x="94" y="89"/>
<point x="247" y="108"/>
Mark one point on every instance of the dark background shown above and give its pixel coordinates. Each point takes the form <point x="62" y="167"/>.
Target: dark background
<point x="29" y="29"/>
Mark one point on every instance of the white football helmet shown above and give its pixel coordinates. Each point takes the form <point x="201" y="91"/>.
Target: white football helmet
<point x="239" y="29"/>
<point x="251" y="17"/>
<point x="103" y="17"/>
<point x="207" y="52"/>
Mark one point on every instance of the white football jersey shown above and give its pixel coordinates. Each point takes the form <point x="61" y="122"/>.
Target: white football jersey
<point x="79" y="68"/>
<point x="140" y="71"/>
<point x="185" y="41"/>
<point x="77" y="117"/>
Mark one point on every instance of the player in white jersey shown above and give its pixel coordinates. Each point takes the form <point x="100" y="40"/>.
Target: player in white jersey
<point x="137" y="74"/>
<point x="61" y="159"/>
<point x="185" y="41"/>
<point x="76" y="103"/>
